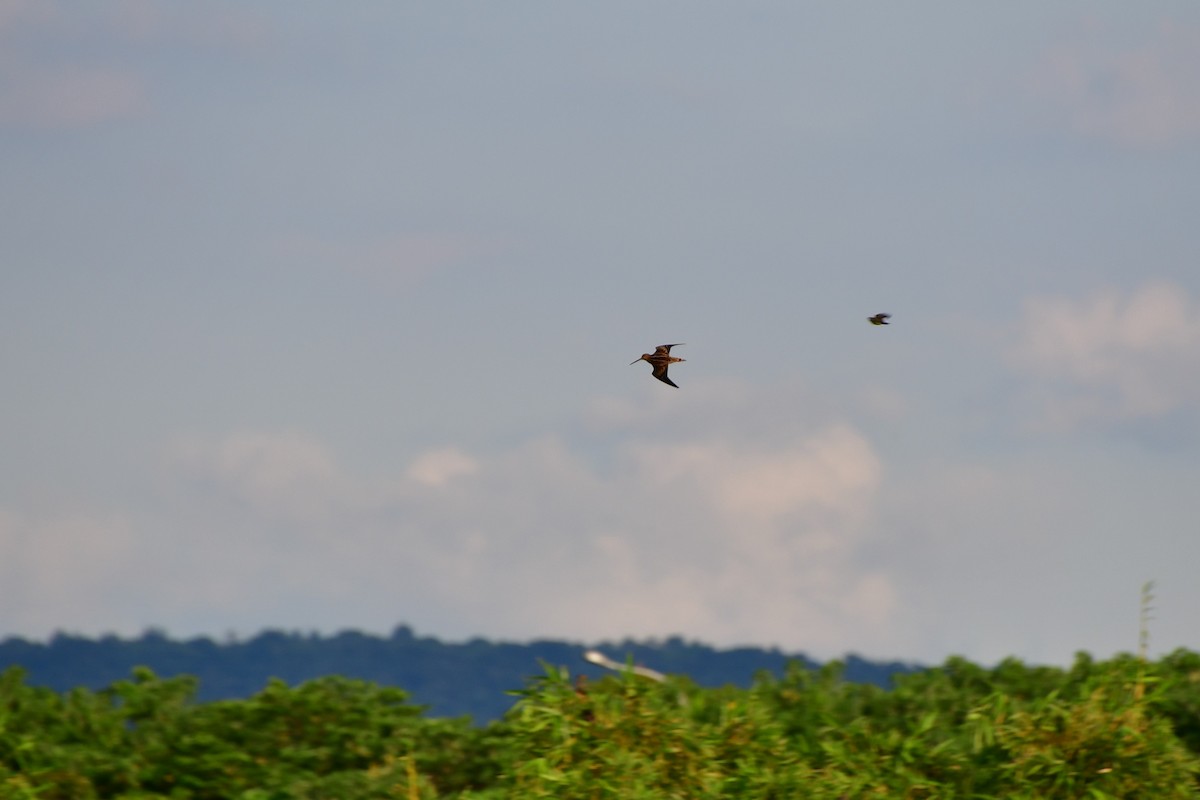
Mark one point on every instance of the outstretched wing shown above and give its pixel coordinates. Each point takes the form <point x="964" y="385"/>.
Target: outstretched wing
<point x="665" y="349"/>
<point x="660" y="372"/>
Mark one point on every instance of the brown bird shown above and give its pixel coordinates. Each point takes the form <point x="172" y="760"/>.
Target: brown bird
<point x="879" y="319"/>
<point x="661" y="359"/>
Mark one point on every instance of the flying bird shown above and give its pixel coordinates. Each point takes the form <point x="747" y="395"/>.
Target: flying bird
<point x="661" y="359"/>
<point x="879" y="319"/>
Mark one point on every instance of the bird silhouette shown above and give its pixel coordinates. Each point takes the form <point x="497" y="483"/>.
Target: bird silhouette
<point x="661" y="359"/>
<point x="879" y="319"/>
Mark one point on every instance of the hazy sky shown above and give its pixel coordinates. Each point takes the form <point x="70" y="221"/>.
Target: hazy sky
<point x="319" y="316"/>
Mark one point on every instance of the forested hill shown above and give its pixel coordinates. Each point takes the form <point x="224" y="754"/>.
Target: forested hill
<point x="451" y="679"/>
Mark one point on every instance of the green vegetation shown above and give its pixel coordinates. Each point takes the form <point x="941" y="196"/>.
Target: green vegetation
<point x="1122" y="728"/>
<point x="451" y="679"/>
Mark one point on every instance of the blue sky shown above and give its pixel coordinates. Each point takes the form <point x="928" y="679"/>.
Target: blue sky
<point x="320" y="316"/>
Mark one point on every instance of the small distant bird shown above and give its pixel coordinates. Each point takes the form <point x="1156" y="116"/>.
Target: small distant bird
<point x="661" y="359"/>
<point x="879" y="319"/>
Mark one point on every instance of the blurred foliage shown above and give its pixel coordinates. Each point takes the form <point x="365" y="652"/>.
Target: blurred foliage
<point x="452" y="679"/>
<point x="1122" y="728"/>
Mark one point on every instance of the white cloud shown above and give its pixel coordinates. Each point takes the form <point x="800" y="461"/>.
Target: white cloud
<point x="283" y="476"/>
<point x="805" y="542"/>
<point x="439" y="467"/>
<point x="802" y="540"/>
<point x="1113" y="356"/>
<point x="65" y="570"/>
<point x="824" y="472"/>
<point x="1146" y="95"/>
<point x="43" y="89"/>
<point x="719" y="538"/>
<point x="715" y="538"/>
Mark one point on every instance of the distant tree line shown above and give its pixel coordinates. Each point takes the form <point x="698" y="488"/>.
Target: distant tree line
<point x="472" y="678"/>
